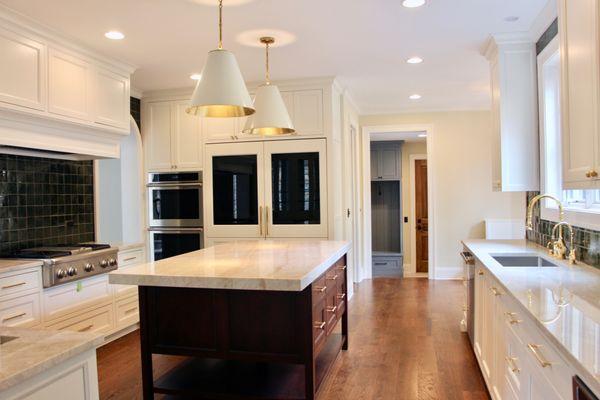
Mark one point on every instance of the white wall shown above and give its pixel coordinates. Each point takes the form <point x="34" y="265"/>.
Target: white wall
<point x="462" y="186"/>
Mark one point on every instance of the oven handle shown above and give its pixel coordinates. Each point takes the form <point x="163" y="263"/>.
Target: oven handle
<point x="174" y="185"/>
<point x="176" y="230"/>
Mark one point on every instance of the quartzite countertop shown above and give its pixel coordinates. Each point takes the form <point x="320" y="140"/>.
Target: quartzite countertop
<point x="286" y="265"/>
<point x="34" y="351"/>
<point x="10" y="265"/>
<point x="574" y="326"/>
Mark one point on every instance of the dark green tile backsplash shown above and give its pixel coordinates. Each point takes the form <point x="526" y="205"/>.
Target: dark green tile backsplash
<point x="44" y="202"/>
<point x="587" y="242"/>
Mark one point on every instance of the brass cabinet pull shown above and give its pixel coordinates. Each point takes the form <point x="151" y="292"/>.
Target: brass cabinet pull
<point x="512" y="319"/>
<point x="480" y="272"/>
<point x="593" y="174"/>
<point x="86" y="328"/>
<point x="320" y="325"/>
<point x="341" y="296"/>
<point x="512" y="364"/>
<point x="14" y="317"/>
<point x="320" y="289"/>
<point x="260" y="218"/>
<point x="588" y="174"/>
<point x="535" y="349"/>
<point x="129" y="259"/>
<point x="267" y="221"/>
<point x="333" y="278"/>
<point x="341" y="268"/>
<point x="332" y="309"/>
<point x="14" y="285"/>
<point x="495" y="291"/>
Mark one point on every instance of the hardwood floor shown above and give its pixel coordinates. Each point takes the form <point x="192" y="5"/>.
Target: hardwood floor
<point x="405" y="344"/>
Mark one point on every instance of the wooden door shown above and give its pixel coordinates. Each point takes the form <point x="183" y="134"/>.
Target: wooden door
<point x="422" y="227"/>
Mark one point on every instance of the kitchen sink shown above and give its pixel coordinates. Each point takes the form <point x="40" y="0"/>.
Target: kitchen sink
<point x="6" y="339"/>
<point x="520" y="260"/>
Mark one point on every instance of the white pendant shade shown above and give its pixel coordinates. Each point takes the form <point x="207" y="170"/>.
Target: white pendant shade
<point x="221" y="90"/>
<point x="271" y="117"/>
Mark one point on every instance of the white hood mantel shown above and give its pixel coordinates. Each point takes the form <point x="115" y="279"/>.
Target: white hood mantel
<point x="59" y="96"/>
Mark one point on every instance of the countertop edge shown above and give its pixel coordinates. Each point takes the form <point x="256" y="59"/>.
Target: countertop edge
<point x="588" y="377"/>
<point x="18" y="265"/>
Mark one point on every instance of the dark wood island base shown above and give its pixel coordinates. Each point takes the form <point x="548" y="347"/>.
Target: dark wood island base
<point x="244" y="343"/>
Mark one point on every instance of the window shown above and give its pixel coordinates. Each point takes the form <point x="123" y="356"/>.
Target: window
<point x="582" y="202"/>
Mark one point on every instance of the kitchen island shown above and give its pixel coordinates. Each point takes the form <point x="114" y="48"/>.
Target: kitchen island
<point x="254" y="319"/>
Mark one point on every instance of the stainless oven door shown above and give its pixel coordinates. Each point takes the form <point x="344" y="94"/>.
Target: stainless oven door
<point x="175" y="205"/>
<point x="165" y="243"/>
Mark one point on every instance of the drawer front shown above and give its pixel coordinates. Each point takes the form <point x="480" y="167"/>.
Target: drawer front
<point x="124" y="290"/>
<point x="18" y="282"/>
<point x="331" y="308"/>
<point x="130" y="257"/>
<point x="386" y="263"/>
<point x="22" y="311"/>
<point x="319" y="325"/>
<point x="127" y="312"/>
<point x="99" y="320"/>
<point x="75" y="296"/>
<point x="319" y="288"/>
<point x="513" y="318"/>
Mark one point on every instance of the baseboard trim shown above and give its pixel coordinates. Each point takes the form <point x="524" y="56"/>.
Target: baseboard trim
<point x="448" y="273"/>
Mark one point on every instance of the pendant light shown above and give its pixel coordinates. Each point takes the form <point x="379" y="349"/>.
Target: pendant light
<point x="271" y="117"/>
<point x="221" y="90"/>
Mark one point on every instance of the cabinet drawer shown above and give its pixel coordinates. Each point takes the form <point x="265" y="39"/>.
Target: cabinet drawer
<point x="331" y="308"/>
<point x="22" y="311"/>
<point x="130" y="257"/>
<point x="386" y="263"/>
<point x="319" y="325"/>
<point x="76" y="296"/>
<point x="19" y="282"/>
<point x="99" y="320"/>
<point x="127" y="312"/>
<point x="319" y="288"/>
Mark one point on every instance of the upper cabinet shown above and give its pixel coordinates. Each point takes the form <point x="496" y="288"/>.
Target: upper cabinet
<point x="70" y="86"/>
<point x="172" y="138"/>
<point x="579" y="23"/>
<point x="111" y="99"/>
<point x="514" y="114"/>
<point x="385" y="162"/>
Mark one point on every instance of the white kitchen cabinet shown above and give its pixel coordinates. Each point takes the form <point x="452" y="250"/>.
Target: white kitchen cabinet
<point x="385" y="162"/>
<point x="172" y="138"/>
<point x="111" y="99"/>
<point x="308" y="112"/>
<point x="579" y="22"/>
<point x="266" y="189"/>
<point x="513" y="72"/>
<point x="24" y="71"/>
<point x="221" y="129"/>
<point x="70" y="81"/>
<point x="99" y="320"/>
<point x="22" y="311"/>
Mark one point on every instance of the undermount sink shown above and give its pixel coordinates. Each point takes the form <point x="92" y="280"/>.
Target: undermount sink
<point x="521" y="260"/>
<point x="6" y="339"/>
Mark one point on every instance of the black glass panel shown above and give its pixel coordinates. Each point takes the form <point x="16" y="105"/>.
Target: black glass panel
<point x="176" y="203"/>
<point x="173" y="244"/>
<point x="235" y="192"/>
<point x="176" y="177"/>
<point x="296" y="188"/>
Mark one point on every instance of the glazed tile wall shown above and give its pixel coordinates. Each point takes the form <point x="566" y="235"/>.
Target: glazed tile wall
<point x="44" y="202"/>
<point x="587" y="242"/>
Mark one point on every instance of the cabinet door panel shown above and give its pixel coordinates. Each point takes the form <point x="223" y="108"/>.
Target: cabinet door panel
<point x="69" y="86"/>
<point x="187" y="139"/>
<point x="389" y="164"/>
<point x="157" y="136"/>
<point x="375" y="164"/>
<point x="111" y="99"/>
<point x="296" y="188"/>
<point x="308" y="112"/>
<point x="579" y="56"/>
<point x="219" y="129"/>
<point x="23" y="77"/>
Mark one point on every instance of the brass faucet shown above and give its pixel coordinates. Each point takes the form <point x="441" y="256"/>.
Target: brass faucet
<point x="561" y="212"/>
<point x="558" y="246"/>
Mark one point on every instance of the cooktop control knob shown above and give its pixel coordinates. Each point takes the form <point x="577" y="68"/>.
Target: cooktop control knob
<point x="72" y="271"/>
<point x="112" y="262"/>
<point x="61" y="273"/>
<point x="88" y="267"/>
<point x="104" y="263"/>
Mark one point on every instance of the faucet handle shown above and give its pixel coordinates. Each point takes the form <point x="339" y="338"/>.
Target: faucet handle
<point x="572" y="256"/>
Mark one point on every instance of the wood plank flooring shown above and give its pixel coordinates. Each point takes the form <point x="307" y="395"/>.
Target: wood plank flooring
<point x="405" y="344"/>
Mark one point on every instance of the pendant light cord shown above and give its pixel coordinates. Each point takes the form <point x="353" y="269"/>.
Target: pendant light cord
<point x="268" y="73"/>
<point x="220" y="24"/>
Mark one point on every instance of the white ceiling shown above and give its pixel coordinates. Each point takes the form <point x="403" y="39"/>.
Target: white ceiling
<point x="362" y="42"/>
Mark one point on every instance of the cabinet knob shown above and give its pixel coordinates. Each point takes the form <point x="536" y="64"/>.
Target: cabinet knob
<point x="593" y="174"/>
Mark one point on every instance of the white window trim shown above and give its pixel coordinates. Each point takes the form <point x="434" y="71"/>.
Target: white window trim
<point x="584" y="218"/>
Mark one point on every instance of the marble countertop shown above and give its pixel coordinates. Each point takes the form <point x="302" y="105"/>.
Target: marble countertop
<point x="564" y="302"/>
<point x="122" y="246"/>
<point x="10" y="265"/>
<point x="287" y="265"/>
<point x="35" y="351"/>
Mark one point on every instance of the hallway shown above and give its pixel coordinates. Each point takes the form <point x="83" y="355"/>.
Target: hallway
<point x="405" y="344"/>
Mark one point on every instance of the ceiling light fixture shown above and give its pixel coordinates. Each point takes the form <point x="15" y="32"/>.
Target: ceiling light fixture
<point x="221" y="90"/>
<point x="414" y="60"/>
<point x="422" y="135"/>
<point x="271" y="117"/>
<point x="413" y="3"/>
<point x="414" y="96"/>
<point x="114" y="35"/>
<point x="196" y="77"/>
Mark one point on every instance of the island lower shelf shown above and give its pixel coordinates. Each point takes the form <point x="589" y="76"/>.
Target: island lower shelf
<point x="245" y="343"/>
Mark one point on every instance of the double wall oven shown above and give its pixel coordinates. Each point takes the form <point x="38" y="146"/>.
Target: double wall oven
<point x="175" y="213"/>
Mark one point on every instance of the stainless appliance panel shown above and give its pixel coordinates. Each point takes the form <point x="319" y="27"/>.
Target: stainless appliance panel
<point x="166" y="243"/>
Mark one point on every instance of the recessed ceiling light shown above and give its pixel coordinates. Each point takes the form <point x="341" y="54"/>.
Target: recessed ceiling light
<point x="414" y="60"/>
<point x="422" y="135"/>
<point x="414" y="96"/>
<point x="511" y="18"/>
<point x="114" y="35"/>
<point x="196" y="77"/>
<point x="413" y="3"/>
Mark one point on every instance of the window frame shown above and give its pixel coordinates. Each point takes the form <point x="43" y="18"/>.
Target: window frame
<point x="582" y="217"/>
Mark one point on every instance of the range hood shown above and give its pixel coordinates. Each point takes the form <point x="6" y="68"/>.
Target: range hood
<point x="23" y="151"/>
